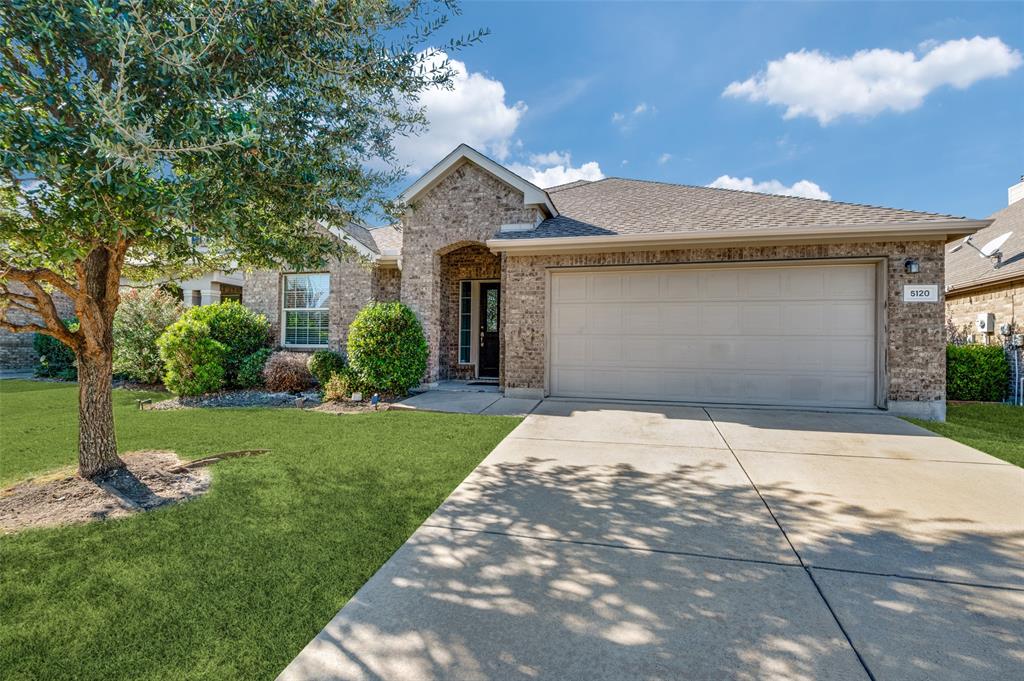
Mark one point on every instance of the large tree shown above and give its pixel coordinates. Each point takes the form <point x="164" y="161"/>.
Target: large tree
<point x="146" y="138"/>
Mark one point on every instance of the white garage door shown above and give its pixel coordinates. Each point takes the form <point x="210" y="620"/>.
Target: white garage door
<point x="781" y="335"/>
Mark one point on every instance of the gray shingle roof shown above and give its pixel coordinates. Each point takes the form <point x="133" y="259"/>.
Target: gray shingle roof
<point x="967" y="268"/>
<point x="361" y="234"/>
<point x="616" y="206"/>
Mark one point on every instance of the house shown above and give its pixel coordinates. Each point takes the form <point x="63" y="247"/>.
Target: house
<point x="17" y="354"/>
<point x="212" y="287"/>
<point x="627" y="289"/>
<point x="976" y="286"/>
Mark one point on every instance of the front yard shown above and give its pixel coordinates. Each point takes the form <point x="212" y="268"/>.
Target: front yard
<point x="997" y="429"/>
<point x="233" y="584"/>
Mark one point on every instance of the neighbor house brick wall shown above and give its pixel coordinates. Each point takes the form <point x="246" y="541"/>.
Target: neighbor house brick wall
<point x="469" y="262"/>
<point x="468" y="206"/>
<point x="1005" y="301"/>
<point x="351" y="289"/>
<point x="914" y="339"/>
<point x="16" y="351"/>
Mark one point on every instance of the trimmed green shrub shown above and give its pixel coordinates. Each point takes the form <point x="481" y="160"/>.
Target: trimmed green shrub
<point x="141" y="317"/>
<point x="56" y="360"/>
<point x="324" y="363"/>
<point x="250" y="371"/>
<point x="287" y="372"/>
<point x="235" y="326"/>
<point x="977" y="373"/>
<point x="387" y="348"/>
<point x="193" y="360"/>
<point x="338" y="387"/>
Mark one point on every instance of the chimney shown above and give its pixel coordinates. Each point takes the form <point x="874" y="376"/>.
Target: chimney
<point x="1016" y="192"/>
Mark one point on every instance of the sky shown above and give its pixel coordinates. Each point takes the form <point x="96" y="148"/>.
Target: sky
<point x="911" y="105"/>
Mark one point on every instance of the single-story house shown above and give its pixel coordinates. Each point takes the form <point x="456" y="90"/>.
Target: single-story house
<point x="636" y="290"/>
<point x="976" y="285"/>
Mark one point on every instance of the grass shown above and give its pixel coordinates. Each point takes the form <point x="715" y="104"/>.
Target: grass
<point x="997" y="429"/>
<point x="233" y="584"/>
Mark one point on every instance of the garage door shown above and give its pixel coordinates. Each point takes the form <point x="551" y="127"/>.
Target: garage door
<point x="799" y="335"/>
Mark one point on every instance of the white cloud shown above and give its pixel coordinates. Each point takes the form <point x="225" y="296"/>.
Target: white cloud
<point x="473" y="111"/>
<point x="626" y="121"/>
<point x="552" y="158"/>
<point x="664" y="158"/>
<point x="554" y="168"/>
<point x="810" y="83"/>
<point x="803" y="188"/>
<point x="560" y="174"/>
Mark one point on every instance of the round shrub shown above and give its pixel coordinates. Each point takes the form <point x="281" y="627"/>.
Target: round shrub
<point x="977" y="373"/>
<point x="387" y="348"/>
<point x="193" y="360"/>
<point x="56" y="360"/>
<point x="141" y="317"/>
<point x="324" y="363"/>
<point x="238" y="328"/>
<point x="287" y="372"/>
<point x="250" y="371"/>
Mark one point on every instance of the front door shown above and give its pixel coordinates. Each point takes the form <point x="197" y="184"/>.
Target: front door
<point x="490" y="341"/>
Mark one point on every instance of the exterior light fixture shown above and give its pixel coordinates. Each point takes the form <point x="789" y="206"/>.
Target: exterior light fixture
<point x="912" y="266"/>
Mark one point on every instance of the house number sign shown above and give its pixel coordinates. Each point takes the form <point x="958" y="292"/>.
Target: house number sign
<point x="920" y="293"/>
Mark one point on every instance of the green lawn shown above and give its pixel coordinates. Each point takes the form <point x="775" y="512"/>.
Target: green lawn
<point x="233" y="584"/>
<point x="997" y="429"/>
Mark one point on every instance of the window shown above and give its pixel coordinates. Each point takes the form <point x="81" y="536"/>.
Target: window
<point x="306" y="317"/>
<point x="465" y="322"/>
<point x="197" y="298"/>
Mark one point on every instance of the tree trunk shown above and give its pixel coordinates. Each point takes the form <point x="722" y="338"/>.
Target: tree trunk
<point x="97" y="442"/>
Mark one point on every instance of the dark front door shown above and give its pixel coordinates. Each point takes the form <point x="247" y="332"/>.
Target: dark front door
<point x="490" y="341"/>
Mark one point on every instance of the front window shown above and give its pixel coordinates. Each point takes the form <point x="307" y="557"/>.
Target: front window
<point x="465" y="321"/>
<point x="306" y="317"/>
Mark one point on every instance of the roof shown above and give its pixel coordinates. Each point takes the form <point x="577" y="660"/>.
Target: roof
<point x="532" y="194"/>
<point x="377" y="241"/>
<point x="968" y="269"/>
<point x="617" y="206"/>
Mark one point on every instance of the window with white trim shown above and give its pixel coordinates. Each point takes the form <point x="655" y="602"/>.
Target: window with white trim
<point x="306" y="316"/>
<point x="465" y="322"/>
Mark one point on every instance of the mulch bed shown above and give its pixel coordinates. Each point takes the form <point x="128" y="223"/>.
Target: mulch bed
<point x="350" y="407"/>
<point x="240" y="398"/>
<point x="150" y="480"/>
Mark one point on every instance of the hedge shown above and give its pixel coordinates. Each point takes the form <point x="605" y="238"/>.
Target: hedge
<point x="977" y="373"/>
<point x="387" y="349"/>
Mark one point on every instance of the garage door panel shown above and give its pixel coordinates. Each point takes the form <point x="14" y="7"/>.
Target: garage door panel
<point x="786" y="335"/>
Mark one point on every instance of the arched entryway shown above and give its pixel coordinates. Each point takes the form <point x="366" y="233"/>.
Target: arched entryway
<point x="470" y="313"/>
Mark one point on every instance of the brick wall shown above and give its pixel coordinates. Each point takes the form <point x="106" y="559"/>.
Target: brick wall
<point x="469" y="262"/>
<point x="1005" y="301"/>
<point x="16" y="351"/>
<point x="467" y="207"/>
<point x="387" y="284"/>
<point x="915" y="346"/>
<point x="352" y="287"/>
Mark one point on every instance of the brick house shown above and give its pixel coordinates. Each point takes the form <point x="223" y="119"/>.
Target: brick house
<point x="626" y="289"/>
<point x="974" y="285"/>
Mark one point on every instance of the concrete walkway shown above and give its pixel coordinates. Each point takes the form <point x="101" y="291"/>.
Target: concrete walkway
<point x="467" y="401"/>
<point x="618" y="542"/>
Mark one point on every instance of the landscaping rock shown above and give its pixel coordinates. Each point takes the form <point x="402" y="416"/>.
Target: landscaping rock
<point x="242" y="398"/>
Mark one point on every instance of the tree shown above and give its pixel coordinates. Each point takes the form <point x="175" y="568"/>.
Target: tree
<point x="154" y="138"/>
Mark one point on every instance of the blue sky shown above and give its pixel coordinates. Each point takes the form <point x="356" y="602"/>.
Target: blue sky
<point x="933" y="120"/>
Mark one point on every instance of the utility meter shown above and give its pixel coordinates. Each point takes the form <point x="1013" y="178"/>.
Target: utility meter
<point x="987" y="322"/>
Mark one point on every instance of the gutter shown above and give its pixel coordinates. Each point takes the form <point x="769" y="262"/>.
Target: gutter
<point x="945" y="230"/>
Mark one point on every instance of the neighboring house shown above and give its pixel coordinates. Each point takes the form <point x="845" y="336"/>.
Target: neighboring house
<point x="626" y="289"/>
<point x="16" y="352"/>
<point x="215" y="287"/>
<point x="974" y="286"/>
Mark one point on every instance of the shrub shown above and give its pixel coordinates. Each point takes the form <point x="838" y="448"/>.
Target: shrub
<point x="193" y="360"/>
<point x="141" y="317"/>
<point x="339" y="386"/>
<point x="325" y="363"/>
<point x="238" y="328"/>
<point x="56" y="360"/>
<point x="386" y="348"/>
<point x="977" y="372"/>
<point x="250" y="371"/>
<point x="287" y="372"/>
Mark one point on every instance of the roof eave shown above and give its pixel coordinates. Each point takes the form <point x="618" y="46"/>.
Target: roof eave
<point x="978" y="284"/>
<point x="532" y="194"/>
<point x="902" y="231"/>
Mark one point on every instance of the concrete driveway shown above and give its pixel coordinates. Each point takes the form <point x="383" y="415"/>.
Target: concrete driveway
<point x="603" y="541"/>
